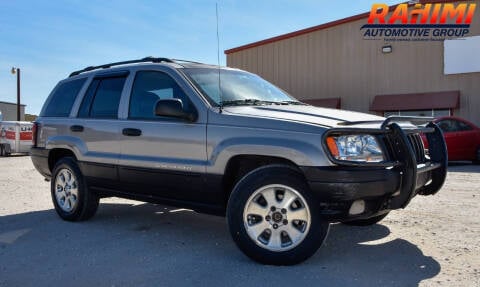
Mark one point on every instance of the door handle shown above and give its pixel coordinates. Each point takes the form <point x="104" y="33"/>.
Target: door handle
<point x="131" y="132"/>
<point x="76" y="128"/>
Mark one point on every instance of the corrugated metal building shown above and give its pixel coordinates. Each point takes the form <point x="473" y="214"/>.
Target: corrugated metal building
<point x="9" y="111"/>
<point x="333" y="65"/>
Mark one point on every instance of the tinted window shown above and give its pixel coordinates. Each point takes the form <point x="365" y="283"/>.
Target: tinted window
<point x="63" y="98"/>
<point x="87" y="99"/>
<point x="102" y="98"/>
<point x="448" y="125"/>
<point x="464" y="126"/>
<point x="148" y="88"/>
<point x="107" y="98"/>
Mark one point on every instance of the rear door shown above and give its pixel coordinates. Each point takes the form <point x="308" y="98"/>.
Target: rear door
<point x="163" y="157"/>
<point x="97" y="128"/>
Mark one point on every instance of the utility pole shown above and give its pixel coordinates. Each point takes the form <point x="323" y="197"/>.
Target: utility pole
<point x="17" y="71"/>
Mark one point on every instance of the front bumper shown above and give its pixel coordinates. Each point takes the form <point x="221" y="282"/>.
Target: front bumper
<point x="385" y="186"/>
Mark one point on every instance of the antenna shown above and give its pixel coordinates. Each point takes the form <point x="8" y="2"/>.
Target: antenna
<point x="218" y="59"/>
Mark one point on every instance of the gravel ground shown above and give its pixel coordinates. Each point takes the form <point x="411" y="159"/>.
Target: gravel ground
<point x="433" y="242"/>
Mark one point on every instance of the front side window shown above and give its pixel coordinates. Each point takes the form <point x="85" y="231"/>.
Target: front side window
<point x="462" y="126"/>
<point x="63" y="98"/>
<point x="448" y="126"/>
<point x="102" y="98"/>
<point x="148" y="88"/>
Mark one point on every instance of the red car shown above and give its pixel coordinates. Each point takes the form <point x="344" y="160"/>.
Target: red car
<point x="462" y="138"/>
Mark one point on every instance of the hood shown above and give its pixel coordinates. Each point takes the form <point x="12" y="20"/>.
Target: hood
<point x="306" y="114"/>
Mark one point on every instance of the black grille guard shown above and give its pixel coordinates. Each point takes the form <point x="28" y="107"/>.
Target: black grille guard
<point x="425" y="178"/>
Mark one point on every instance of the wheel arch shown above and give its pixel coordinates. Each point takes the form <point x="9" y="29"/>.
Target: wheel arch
<point x="56" y="154"/>
<point x="240" y="165"/>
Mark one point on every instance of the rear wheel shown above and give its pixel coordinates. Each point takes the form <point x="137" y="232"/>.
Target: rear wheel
<point x="273" y="217"/>
<point x="2" y="150"/>
<point x="71" y="197"/>
<point x="368" y="221"/>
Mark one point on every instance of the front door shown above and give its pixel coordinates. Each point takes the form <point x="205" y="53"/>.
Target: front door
<point x="460" y="139"/>
<point x="161" y="157"/>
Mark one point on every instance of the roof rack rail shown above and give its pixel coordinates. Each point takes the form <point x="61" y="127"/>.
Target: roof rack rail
<point x="105" y="66"/>
<point x="186" y="61"/>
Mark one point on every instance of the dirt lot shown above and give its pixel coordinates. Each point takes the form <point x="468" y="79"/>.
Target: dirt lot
<point x="433" y="242"/>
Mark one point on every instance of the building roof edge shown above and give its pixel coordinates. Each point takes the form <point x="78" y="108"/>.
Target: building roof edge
<point x="319" y="27"/>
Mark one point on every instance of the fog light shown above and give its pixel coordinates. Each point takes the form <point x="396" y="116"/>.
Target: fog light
<point x="358" y="206"/>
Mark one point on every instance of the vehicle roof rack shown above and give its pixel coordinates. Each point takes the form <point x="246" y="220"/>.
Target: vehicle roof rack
<point x="187" y="61"/>
<point x="143" y="60"/>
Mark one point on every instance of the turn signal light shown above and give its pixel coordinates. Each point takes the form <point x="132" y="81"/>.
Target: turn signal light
<point x="332" y="146"/>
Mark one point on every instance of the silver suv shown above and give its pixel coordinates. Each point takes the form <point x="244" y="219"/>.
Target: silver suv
<point x="226" y="142"/>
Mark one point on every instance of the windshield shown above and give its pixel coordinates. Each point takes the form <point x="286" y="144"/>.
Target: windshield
<point x="237" y="88"/>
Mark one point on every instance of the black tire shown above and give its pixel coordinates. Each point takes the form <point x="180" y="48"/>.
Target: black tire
<point x="239" y="198"/>
<point x="86" y="201"/>
<point x="366" y="222"/>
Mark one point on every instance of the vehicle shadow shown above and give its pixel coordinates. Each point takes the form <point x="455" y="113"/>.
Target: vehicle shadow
<point x="16" y="155"/>
<point x="154" y="245"/>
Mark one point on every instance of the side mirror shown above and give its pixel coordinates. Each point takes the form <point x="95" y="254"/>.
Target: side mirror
<point x="173" y="108"/>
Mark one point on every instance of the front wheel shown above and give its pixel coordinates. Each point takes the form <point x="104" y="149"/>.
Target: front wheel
<point x="273" y="218"/>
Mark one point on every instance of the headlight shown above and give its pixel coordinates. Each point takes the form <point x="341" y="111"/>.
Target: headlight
<point x="359" y="148"/>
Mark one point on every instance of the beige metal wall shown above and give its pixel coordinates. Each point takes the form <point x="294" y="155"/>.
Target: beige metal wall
<point x="9" y="111"/>
<point x="338" y="62"/>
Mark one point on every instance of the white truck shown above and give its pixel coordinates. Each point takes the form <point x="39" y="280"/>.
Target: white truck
<point x="15" y="137"/>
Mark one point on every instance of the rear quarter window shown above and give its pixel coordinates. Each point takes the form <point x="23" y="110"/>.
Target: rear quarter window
<point x="62" y="100"/>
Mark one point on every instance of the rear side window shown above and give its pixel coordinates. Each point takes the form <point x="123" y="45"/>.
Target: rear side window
<point x="102" y="98"/>
<point x="63" y="98"/>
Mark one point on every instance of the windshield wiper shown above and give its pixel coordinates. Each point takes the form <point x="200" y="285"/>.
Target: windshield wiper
<point x="257" y="102"/>
<point x="292" y="103"/>
<point x="242" y="102"/>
